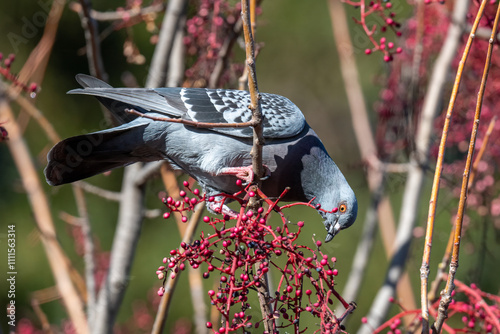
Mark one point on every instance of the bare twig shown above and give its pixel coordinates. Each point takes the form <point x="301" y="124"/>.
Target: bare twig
<point x="224" y="53"/>
<point x="447" y="254"/>
<point x="424" y="269"/>
<point x="170" y="283"/>
<point x="106" y="194"/>
<point x="127" y="13"/>
<point x="55" y="255"/>
<point x="201" y="125"/>
<point x="446" y="295"/>
<point x="161" y="57"/>
<point x="254" y="106"/>
<point x="93" y="42"/>
<point x="258" y="142"/>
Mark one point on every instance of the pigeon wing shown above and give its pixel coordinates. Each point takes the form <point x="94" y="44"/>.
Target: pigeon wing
<point x="282" y="118"/>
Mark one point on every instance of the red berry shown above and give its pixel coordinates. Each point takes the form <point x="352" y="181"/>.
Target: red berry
<point x="182" y="193"/>
<point x="209" y="324"/>
<point x="239" y="183"/>
<point x="335" y="272"/>
<point x="211" y="293"/>
<point x="206" y="219"/>
<point x="184" y="219"/>
<point x="308" y="292"/>
<point x="185" y="183"/>
<point x="166" y="215"/>
<point x="367" y="52"/>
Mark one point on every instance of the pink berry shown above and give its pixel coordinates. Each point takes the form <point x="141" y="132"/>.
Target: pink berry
<point x="209" y="324"/>
<point x="161" y="291"/>
<point x="335" y="272"/>
<point x="184" y="219"/>
<point x="399" y="50"/>
<point x="319" y="243"/>
<point x="364" y="320"/>
<point x="251" y="194"/>
<point x="367" y="52"/>
<point x="182" y="193"/>
<point x="300" y="224"/>
<point x="239" y="183"/>
<point x="390" y="45"/>
<point x="388" y="5"/>
<point x="389" y="21"/>
<point x="185" y="183"/>
<point x="308" y="292"/>
<point x="211" y="293"/>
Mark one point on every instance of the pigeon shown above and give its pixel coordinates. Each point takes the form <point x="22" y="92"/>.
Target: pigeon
<point x="293" y="155"/>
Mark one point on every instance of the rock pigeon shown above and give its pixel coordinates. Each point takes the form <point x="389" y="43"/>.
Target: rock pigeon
<point x="293" y="154"/>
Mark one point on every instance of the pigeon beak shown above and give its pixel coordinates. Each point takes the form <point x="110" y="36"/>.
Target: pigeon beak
<point x="333" y="230"/>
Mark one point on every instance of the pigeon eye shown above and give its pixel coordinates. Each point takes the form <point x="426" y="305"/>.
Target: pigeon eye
<point x="343" y="208"/>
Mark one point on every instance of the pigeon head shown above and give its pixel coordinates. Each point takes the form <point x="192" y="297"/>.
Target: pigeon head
<point x="342" y="216"/>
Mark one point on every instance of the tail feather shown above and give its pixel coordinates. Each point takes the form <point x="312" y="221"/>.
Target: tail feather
<point x="87" y="155"/>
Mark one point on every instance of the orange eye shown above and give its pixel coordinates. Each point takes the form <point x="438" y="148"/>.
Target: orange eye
<point x="343" y="208"/>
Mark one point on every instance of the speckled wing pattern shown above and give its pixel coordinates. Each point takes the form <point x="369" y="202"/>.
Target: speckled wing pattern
<point x="282" y="118"/>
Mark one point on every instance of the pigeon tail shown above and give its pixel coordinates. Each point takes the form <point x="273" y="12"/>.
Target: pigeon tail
<point x="87" y="155"/>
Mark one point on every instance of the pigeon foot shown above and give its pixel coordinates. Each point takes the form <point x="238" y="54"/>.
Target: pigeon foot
<point x="244" y="173"/>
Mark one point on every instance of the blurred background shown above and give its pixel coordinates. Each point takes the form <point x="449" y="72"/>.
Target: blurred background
<point x="297" y="59"/>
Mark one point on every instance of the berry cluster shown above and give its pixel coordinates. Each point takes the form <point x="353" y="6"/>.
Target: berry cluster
<point x="240" y="250"/>
<point x="5" y="71"/>
<point x="381" y="11"/>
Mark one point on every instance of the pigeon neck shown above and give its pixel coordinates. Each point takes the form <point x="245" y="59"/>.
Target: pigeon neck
<point x="323" y="178"/>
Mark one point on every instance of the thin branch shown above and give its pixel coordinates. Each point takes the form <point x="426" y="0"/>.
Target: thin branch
<point x="433" y="292"/>
<point x="147" y="172"/>
<point x="195" y="124"/>
<point x="224" y="53"/>
<point x="161" y="57"/>
<point x="170" y="283"/>
<point x="106" y="194"/>
<point x="93" y="42"/>
<point x="127" y="13"/>
<point x="424" y="269"/>
<point x="446" y="296"/>
<point x="55" y="255"/>
<point x="256" y="152"/>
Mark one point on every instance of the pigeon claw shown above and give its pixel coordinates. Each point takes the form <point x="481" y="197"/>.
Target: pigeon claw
<point x="244" y="173"/>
